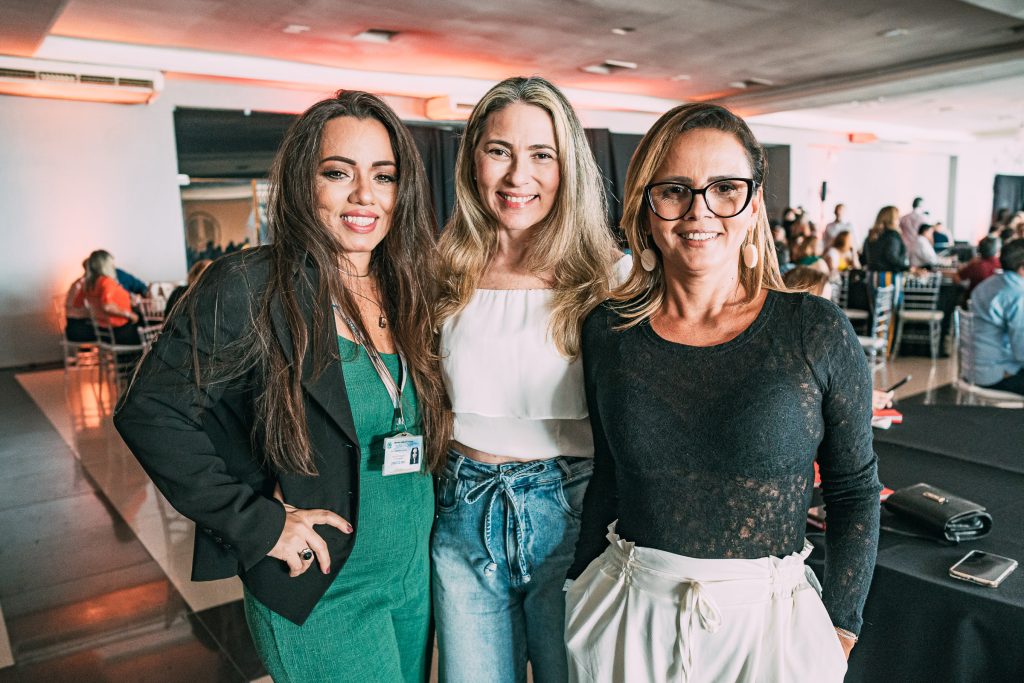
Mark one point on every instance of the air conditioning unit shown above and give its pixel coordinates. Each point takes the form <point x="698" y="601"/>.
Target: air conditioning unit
<point x="83" y="82"/>
<point x="450" y="108"/>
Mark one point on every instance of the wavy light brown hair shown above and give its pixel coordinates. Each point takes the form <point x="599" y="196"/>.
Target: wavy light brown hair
<point x="403" y="264"/>
<point x="888" y="218"/>
<point x="642" y="294"/>
<point x="574" y="243"/>
<point x="806" y="279"/>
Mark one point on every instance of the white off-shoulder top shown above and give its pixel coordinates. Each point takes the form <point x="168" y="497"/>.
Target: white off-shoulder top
<point x="512" y="392"/>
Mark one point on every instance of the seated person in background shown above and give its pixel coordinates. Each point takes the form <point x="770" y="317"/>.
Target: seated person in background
<point x="801" y="229"/>
<point x="193" y="274"/>
<point x="131" y="283"/>
<point x="804" y="279"/>
<point x="78" y="327"/>
<point x="110" y="303"/>
<point x="940" y="237"/>
<point x="811" y="280"/>
<point x="922" y="254"/>
<point x="1017" y="224"/>
<point x="782" y="254"/>
<point x="778" y="232"/>
<point x="805" y="253"/>
<point x="841" y="255"/>
<point x="982" y="266"/>
<point x="1000" y="220"/>
<point x="788" y="218"/>
<point x="998" y="307"/>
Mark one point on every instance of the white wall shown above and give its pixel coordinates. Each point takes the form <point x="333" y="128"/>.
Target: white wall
<point x="77" y="176"/>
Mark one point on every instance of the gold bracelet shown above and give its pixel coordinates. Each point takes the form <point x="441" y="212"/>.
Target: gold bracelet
<point x="845" y="634"/>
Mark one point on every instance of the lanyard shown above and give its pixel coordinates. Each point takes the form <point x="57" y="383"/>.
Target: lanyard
<point x="393" y="388"/>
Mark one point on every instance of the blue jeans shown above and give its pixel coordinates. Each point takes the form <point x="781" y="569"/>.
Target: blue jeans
<point x="503" y="541"/>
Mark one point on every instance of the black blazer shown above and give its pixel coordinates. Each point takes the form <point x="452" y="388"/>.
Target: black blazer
<point x="196" y="443"/>
<point x="887" y="253"/>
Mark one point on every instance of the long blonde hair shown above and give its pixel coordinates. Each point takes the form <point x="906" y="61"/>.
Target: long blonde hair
<point x="643" y="292"/>
<point x="574" y="241"/>
<point x="99" y="263"/>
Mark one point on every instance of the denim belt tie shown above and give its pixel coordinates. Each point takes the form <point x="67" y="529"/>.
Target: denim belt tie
<point x="501" y="483"/>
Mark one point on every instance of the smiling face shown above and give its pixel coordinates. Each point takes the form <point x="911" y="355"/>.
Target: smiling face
<point x="516" y="163"/>
<point x="356" y="184"/>
<point x="700" y="242"/>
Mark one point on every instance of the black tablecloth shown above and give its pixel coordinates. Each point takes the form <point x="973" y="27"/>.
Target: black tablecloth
<point x="921" y="625"/>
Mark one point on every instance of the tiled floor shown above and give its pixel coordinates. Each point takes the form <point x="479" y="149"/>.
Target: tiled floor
<point x="95" y="565"/>
<point x="83" y="598"/>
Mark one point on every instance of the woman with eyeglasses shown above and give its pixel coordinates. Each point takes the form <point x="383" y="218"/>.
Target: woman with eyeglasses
<point x="711" y="391"/>
<point x="526" y="256"/>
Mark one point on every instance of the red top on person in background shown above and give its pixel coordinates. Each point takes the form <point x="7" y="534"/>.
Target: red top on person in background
<point x="105" y="291"/>
<point x="977" y="270"/>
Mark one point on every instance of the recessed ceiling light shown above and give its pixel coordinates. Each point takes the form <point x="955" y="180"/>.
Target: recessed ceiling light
<point x="680" y="77"/>
<point x="751" y="83"/>
<point x="894" y="33"/>
<point x="623" y="30"/>
<point x="608" y="66"/>
<point x="376" y="35"/>
<point x="295" y="28"/>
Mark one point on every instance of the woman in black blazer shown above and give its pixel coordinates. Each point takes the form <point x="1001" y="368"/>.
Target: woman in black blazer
<point x="278" y="404"/>
<point x="884" y="249"/>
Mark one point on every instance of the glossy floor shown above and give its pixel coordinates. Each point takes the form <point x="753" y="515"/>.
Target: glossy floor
<point x="94" y="571"/>
<point x="83" y="598"/>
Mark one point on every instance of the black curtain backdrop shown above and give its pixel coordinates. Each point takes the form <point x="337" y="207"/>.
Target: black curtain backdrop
<point x="438" y="147"/>
<point x="1008" y="193"/>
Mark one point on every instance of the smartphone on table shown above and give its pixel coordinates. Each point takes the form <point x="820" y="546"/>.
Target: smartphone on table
<point x="984" y="569"/>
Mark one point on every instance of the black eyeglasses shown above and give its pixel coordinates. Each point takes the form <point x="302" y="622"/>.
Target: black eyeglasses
<point x="670" y="200"/>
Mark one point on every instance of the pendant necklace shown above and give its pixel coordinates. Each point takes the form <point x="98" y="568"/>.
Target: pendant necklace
<point x="382" y="322"/>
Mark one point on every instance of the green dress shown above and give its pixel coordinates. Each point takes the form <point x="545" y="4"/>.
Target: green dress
<point x="372" y="624"/>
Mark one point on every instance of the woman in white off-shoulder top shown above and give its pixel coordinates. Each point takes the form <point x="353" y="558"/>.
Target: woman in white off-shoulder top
<point x="527" y="256"/>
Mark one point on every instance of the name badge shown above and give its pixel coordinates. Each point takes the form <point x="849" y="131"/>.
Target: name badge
<point x="403" y="453"/>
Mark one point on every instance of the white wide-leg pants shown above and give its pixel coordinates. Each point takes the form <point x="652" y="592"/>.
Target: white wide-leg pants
<point x="646" y="616"/>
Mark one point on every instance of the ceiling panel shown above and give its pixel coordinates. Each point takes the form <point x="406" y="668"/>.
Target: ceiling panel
<point x="714" y="42"/>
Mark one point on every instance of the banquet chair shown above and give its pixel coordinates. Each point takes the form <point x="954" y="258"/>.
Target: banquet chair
<point x="117" y="361"/>
<point x="149" y="334"/>
<point x="152" y="310"/>
<point x="919" y="307"/>
<point x="967" y="391"/>
<point x="75" y="354"/>
<point x="877" y="339"/>
<point x="856" y="315"/>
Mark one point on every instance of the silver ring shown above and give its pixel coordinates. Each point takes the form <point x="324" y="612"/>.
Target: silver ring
<point x="306" y="555"/>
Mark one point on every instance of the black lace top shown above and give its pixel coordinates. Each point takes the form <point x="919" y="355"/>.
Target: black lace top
<point x="708" y="451"/>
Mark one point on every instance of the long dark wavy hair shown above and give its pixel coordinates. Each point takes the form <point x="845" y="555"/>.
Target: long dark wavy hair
<point x="404" y="265"/>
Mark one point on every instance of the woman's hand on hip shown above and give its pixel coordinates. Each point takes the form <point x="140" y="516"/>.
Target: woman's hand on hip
<point x="298" y="536"/>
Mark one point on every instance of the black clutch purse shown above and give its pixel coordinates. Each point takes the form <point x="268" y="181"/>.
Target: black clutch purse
<point x="940" y="512"/>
